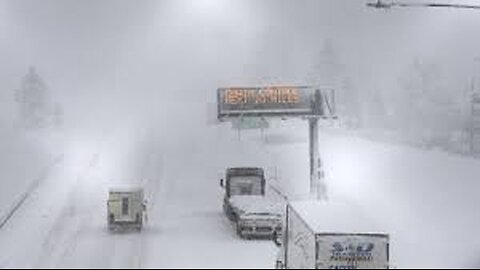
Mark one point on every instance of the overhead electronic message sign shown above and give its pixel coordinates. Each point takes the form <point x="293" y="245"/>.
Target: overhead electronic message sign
<point x="278" y="101"/>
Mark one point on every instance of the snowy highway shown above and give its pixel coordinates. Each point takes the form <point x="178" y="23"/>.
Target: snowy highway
<point x="63" y="223"/>
<point x="160" y="116"/>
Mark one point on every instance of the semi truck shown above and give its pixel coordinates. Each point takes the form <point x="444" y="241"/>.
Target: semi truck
<point x="325" y="235"/>
<point x="126" y="209"/>
<point x="246" y="205"/>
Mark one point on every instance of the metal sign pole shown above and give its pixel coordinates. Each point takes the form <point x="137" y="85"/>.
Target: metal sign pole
<point x="317" y="188"/>
<point x="472" y="116"/>
<point x="314" y="157"/>
<point x="282" y="101"/>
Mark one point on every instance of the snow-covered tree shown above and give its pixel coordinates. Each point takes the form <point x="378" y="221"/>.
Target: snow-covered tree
<point x="427" y="105"/>
<point x="374" y="109"/>
<point x="34" y="105"/>
<point x="328" y="71"/>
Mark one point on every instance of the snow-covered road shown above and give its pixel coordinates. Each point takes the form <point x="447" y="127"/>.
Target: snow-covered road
<point x="63" y="224"/>
<point x="427" y="201"/>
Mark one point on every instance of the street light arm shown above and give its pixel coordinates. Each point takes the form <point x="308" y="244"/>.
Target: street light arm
<point x="380" y="4"/>
<point x="434" y="5"/>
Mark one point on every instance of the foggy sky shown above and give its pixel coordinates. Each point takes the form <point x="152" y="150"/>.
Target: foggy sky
<point x="139" y="73"/>
<point x="110" y="60"/>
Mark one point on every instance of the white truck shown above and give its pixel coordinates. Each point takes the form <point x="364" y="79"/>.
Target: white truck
<point x="256" y="216"/>
<point x="126" y="209"/>
<point x="324" y="235"/>
<point x="245" y="204"/>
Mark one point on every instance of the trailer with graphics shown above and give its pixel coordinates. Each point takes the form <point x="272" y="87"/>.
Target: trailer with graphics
<point x="322" y="235"/>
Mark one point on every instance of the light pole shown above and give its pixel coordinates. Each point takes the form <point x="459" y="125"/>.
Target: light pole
<point x="384" y="4"/>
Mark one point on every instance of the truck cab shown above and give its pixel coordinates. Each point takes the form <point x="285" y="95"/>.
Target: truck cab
<point x="246" y="206"/>
<point x="125" y="209"/>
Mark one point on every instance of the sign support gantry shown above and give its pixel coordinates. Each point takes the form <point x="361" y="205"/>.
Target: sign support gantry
<point x="306" y="102"/>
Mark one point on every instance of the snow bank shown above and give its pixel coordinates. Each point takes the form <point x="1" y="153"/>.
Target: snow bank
<point x="24" y="159"/>
<point x="426" y="200"/>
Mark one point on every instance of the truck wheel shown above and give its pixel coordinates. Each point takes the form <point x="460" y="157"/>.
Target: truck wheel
<point x="228" y="213"/>
<point x="111" y="223"/>
<point x="225" y="209"/>
<point x="279" y="265"/>
<point x="139" y="223"/>
<point x="239" y="231"/>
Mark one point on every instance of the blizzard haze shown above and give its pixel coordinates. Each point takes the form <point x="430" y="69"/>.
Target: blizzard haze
<point x="135" y="57"/>
<point x="131" y="87"/>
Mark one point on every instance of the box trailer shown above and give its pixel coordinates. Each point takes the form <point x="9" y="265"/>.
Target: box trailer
<point x="324" y="235"/>
<point x="125" y="208"/>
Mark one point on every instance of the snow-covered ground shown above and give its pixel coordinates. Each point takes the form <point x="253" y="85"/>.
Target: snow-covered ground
<point x="428" y="200"/>
<point x="63" y="223"/>
<point x="19" y="149"/>
<point x="425" y="199"/>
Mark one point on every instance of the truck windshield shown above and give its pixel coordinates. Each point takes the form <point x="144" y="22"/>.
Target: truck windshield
<point x="246" y="185"/>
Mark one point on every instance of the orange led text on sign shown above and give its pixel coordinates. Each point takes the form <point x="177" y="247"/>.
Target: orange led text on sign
<point x="270" y="95"/>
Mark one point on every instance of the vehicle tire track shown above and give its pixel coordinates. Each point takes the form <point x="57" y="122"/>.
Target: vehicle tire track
<point x="58" y="234"/>
<point x="32" y="187"/>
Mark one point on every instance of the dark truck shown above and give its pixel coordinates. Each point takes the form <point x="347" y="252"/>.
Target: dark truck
<point x="247" y="207"/>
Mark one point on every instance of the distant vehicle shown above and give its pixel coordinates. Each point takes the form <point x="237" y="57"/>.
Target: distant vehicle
<point x="245" y="204"/>
<point x="325" y="235"/>
<point x="126" y="209"/>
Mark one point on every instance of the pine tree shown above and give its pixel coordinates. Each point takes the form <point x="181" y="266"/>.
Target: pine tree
<point x="32" y="100"/>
